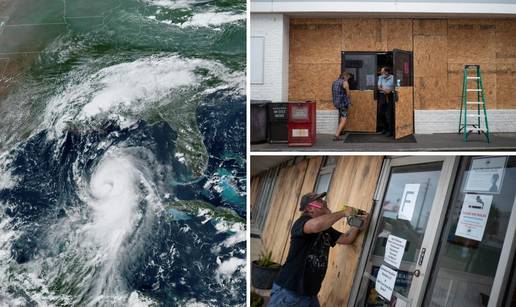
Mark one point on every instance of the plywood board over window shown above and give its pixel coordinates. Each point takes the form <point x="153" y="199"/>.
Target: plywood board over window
<point x="397" y="34"/>
<point x="362" y="35"/>
<point x="455" y="81"/>
<point x="292" y="183"/>
<point x="471" y="41"/>
<point x="255" y="184"/>
<point x="312" y="81"/>
<point x="506" y="86"/>
<point x="315" y="41"/>
<point x="430" y="67"/>
<point x="354" y="182"/>
<point x="284" y="198"/>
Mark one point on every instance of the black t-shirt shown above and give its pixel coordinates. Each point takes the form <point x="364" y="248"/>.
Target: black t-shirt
<point x="307" y="260"/>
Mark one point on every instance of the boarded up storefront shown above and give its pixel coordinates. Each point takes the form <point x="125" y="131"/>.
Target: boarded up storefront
<point x="440" y="48"/>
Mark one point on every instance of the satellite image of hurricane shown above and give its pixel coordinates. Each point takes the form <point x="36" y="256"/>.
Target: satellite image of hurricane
<point x="122" y="153"/>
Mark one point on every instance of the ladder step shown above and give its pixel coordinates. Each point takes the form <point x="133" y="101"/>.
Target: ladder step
<point x="474" y="90"/>
<point x="474" y="78"/>
<point x="474" y="102"/>
<point x="477" y="129"/>
<point x="474" y="115"/>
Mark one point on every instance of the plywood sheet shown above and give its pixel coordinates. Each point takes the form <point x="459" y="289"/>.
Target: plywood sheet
<point x="505" y="86"/>
<point x="404" y="112"/>
<point x="432" y="27"/>
<point x="430" y="56"/>
<point x="455" y="84"/>
<point x="310" y="177"/>
<point x="315" y="42"/>
<point x="312" y="81"/>
<point x="354" y="182"/>
<point x="361" y="34"/>
<point x="255" y="184"/>
<point x="325" y="105"/>
<point x="397" y="34"/>
<point x="362" y="113"/>
<point x="471" y="41"/>
<point x="505" y="41"/>
<point x="431" y="93"/>
<point x="283" y="206"/>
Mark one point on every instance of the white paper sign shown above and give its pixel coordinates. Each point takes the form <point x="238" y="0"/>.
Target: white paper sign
<point x="486" y="175"/>
<point x="473" y="216"/>
<point x="394" y="250"/>
<point x="385" y="282"/>
<point x="408" y="201"/>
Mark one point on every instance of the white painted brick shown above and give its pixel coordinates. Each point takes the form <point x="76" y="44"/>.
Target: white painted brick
<point x="274" y="28"/>
<point x="326" y="121"/>
<point x="447" y="121"/>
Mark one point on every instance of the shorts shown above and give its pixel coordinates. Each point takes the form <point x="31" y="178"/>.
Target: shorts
<point x="343" y="112"/>
<point x="281" y="297"/>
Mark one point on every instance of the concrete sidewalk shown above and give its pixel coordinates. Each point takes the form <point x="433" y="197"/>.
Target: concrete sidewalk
<point x="425" y="142"/>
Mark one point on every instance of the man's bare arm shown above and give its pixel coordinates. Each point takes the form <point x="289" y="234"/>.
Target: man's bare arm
<point x="323" y="222"/>
<point x="349" y="236"/>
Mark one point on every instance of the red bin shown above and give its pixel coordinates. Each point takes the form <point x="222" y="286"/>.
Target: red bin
<point x="301" y="124"/>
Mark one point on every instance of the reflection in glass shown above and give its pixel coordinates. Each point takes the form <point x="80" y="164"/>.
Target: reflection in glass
<point x="465" y="267"/>
<point x="413" y="229"/>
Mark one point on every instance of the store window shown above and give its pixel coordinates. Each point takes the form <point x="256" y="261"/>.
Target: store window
<point x="362" y="67"/>
<point x="263" y="200"/>
<point x="325" y="174"/>
<point x="474" y="233"/>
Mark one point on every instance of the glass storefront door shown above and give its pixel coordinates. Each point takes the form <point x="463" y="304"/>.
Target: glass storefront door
<point x="474" y="233"/>
<point x="406" y="222"/>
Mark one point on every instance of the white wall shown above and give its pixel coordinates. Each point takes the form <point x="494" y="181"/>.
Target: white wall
<point x="501" y="7"/>
<point x="274" y="28"/>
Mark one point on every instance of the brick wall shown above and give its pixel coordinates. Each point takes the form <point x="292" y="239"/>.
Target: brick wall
<point x="274" y="28"/>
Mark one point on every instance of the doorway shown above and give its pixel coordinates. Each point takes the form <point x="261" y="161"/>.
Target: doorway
<point x="364" y="67"/>
<point x="419" y="234"/>
<point x="405" y="221"/>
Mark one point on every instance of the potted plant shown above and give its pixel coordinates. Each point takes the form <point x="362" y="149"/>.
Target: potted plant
<point x="256" y="300"/>
<point x="264" y="271"/>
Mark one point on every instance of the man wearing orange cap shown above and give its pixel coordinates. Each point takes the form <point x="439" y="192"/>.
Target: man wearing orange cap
<point x="312" y="235"/>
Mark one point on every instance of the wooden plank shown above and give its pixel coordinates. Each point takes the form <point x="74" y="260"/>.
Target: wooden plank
<point x="255" y="184"/>
<point x="362" y="113"/>
<point x="354" y="182"/>
<point x="283" y="206"/>
<point x="404" y="112"/>
<point x="308" y="186"/>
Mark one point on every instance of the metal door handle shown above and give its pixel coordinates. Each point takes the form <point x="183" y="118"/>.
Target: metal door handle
<point x="417" y="273"/>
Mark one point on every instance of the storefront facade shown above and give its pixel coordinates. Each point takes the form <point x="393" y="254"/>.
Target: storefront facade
<point x="298" y="49"/>
<point x="453" y="219"/>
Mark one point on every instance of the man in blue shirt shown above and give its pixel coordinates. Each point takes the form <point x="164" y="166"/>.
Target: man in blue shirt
<point x="386" y="100"/>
